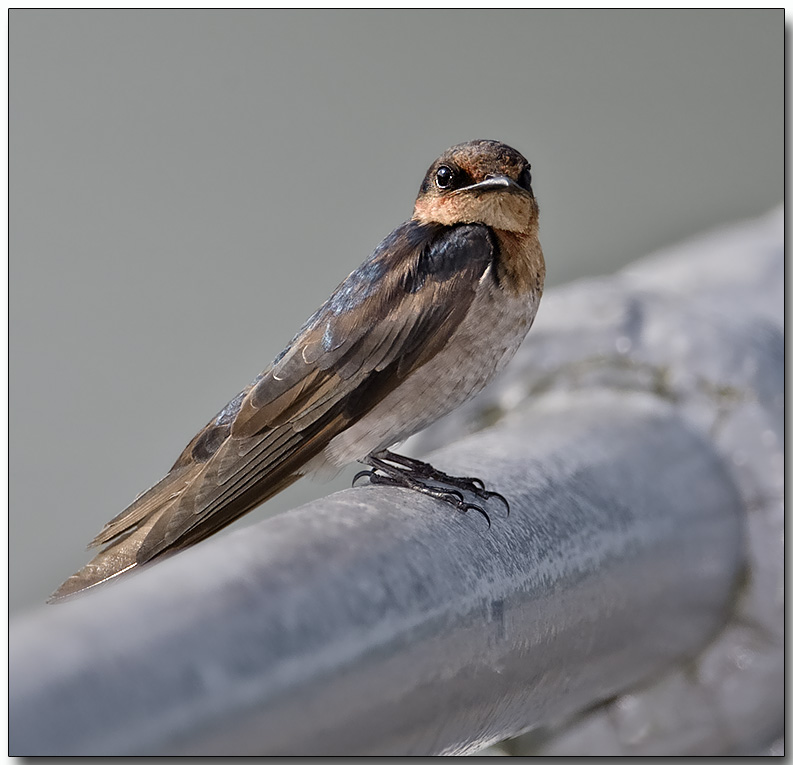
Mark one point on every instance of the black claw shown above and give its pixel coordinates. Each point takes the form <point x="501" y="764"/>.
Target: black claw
<point x="496" y="495"/>
<point x="468" y="506"/>
<point x="454" y="493"/>
<point x="369" y="473"/>
<point x="388" y="469"/>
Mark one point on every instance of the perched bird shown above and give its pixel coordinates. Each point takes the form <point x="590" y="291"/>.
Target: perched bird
<point x="422" y="325"/>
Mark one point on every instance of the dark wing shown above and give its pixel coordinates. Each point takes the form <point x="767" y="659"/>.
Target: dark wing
<point x="390" y="316"/>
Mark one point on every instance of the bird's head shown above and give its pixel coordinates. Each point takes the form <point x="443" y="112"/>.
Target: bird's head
<point x="479" y="182"/>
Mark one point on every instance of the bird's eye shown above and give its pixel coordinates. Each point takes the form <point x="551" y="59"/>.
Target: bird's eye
<point x="444" y="177"/>
<point x="525" y="178"/>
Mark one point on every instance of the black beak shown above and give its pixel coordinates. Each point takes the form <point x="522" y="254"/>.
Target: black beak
<point x="496" y="183"/>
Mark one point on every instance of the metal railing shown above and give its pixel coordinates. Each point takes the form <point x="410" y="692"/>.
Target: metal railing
<point x="634" y="587"/>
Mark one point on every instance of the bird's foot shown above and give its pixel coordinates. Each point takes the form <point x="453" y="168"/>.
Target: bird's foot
<point x="475" y="486"/>
<point x="389" y="469"/>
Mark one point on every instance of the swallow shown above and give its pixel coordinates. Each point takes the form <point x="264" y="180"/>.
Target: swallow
<point x="426" y="321"/>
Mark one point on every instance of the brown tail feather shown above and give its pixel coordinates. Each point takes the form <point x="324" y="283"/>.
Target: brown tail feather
<point x="110" y="562"/>
<point x="168" y="488"/>
<point x="123" y="554"/>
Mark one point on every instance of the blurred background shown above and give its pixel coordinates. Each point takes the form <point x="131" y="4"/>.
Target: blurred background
<point x="186" y="188"/>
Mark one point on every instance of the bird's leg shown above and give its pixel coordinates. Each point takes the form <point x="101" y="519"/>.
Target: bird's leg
<point x="424" y="470"/>
<point x="395" y="470"/>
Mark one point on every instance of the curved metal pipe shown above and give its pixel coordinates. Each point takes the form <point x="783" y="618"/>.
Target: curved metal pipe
<point x="377" y="621"/>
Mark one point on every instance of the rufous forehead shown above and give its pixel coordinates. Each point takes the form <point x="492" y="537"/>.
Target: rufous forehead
<point x="479" y="163"/>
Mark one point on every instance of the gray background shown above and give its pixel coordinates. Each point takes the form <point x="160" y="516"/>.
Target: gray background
<point x="186" y="187"/>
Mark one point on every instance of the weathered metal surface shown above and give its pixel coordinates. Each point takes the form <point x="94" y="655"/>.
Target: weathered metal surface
<point x="376" y="621"/>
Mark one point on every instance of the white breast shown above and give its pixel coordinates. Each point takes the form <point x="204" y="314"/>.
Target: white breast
<point x="486" y="340"/>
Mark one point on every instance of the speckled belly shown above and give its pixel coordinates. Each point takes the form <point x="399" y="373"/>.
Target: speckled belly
<point x="485" y="341"/>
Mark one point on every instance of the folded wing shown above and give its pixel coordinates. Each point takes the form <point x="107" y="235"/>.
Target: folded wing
<point x="390" y="316"/>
